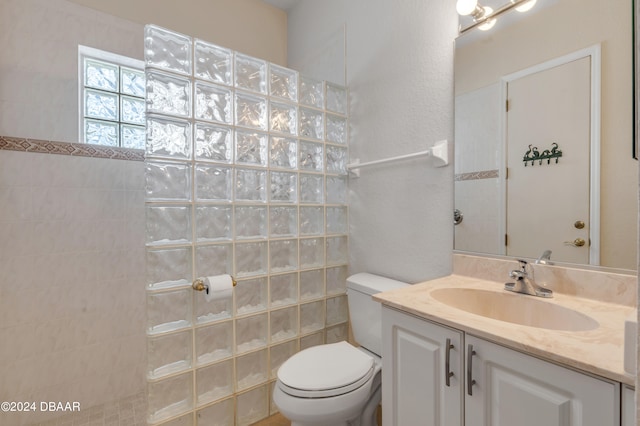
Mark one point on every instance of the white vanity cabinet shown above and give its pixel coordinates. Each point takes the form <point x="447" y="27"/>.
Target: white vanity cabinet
<point x="628" y="406"/>
<point x="417" y="358"/>
<point x="489" y="385"/>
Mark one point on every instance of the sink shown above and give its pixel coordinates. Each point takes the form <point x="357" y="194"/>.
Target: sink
<point x="515" y="308"/>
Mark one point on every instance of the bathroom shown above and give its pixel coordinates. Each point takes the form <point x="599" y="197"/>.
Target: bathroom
<point x="72" y="270"/>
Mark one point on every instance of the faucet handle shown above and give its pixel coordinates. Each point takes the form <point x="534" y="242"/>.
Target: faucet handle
<point x="523" y="264"/>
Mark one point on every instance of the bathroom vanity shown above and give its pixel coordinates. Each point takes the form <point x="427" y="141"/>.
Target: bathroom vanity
<point x="459" y="350"/>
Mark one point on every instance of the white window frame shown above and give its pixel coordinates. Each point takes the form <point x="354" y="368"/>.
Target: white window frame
<point x="85" y="52"/>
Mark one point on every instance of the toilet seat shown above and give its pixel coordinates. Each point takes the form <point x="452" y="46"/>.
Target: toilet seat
<point x="325" y="371"/>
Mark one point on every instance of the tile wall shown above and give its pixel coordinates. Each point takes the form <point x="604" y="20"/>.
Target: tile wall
<point x="246" y="175"/>
<point x="71" y="274"/>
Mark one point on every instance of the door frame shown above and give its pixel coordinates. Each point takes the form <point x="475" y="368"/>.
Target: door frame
<point x="593" y="52"/>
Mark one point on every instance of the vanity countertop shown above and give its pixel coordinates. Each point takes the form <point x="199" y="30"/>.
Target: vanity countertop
<point x="599" y="351"/>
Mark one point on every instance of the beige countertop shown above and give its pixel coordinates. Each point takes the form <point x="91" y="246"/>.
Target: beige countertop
<point x="598" y="351"/>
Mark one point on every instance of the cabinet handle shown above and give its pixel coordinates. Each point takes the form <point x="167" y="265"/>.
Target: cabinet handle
<point x="470" y="381"/>
<point x="448" y="374"/>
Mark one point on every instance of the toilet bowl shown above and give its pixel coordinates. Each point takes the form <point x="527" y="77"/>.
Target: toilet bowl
<point x="338" y="384"/>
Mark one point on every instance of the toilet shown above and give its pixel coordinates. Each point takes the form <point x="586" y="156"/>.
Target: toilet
<point x="339" y="384"/>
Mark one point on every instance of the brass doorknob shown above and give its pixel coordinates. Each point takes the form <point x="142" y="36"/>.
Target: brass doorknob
<point x="579" y="224"/>
<point x="578" y="242"/>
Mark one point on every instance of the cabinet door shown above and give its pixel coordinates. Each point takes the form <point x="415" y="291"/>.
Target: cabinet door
<point x="628" y="406"/>
<point x="415" y="389"/>
<point x="512" y="388"/>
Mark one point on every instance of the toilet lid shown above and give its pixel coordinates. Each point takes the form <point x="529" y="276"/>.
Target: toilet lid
<point x="326" y="370"/>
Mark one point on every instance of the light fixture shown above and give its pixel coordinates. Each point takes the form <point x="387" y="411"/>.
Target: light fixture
<point x="527" y="5"/>
<point x="470" y="8"/>
<point x="489" y="23"/>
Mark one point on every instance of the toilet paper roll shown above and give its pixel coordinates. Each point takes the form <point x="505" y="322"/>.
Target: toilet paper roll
<point x="218" y="287"/>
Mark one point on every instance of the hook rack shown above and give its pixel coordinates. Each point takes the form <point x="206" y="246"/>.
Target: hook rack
<point x="534" y="155"/>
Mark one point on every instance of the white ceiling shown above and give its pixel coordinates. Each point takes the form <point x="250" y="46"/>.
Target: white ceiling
<point x="282" y="4"/>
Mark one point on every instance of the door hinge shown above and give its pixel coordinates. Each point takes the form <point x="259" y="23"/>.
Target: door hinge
<point x="506" y="105"/>
<point x="506" y="173"/>
<point x="506" y="239"/>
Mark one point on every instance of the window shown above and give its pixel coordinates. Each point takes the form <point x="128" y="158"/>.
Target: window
<point x="112" y="105"/>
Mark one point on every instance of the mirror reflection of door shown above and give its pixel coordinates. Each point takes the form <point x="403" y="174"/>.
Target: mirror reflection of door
<point x="545" y="200"/>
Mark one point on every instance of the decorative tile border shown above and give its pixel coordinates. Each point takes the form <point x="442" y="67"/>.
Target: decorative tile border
<point x="483" y="174"/>
<point x="67" y="148"/>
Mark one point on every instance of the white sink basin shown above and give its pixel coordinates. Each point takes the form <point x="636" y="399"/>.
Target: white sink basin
<point x="515" y="308"/>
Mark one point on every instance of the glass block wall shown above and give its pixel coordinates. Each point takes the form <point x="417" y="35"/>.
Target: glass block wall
<point x="246" y="175"/>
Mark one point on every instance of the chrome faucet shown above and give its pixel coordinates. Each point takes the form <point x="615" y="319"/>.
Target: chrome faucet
<point x="524" y="282"/>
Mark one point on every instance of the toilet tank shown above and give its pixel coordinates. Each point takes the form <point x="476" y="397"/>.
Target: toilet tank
<point x="365" y="313"/>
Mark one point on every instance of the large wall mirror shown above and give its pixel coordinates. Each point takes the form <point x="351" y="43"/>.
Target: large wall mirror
<point x="553" y="85"/>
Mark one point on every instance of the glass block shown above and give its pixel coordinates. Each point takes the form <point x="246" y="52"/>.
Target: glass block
<point x="251" y="333"/>
<point x="311" y="92"/>
<point x="251" y="259"/>
<point x="311" y="123"/>
<point x="167" y="181"/>
<point x="251" y="111"/>
<point x="283" y="221"/>
<point x="283" y="255"/>
<point x="311" y="156"/>
<point x="213" y="223"/>
<point x="279" y="354"/>
<point x="133" y="137"/>
<point x="311" y="340"/>
<point x="311" y="220"/>
<point x="214" y="342"/>
<point x="168" y="311"/>
<point x="213" y="103"/>
<point x="283" y="83"/>
<point x="168" y="138"/>
<point x="213" y="183"/>
<point x="251" y="148"/>
<point x="213" y="63"/>
<point x="214" y="310"/>
<point x="338" y="333"/>
<point x="250" y="73"/>
<point x="168" y="267"/>
<point x="251" y="369"/>
<point x="311" y="284"/>
<point x="273" y="409"/>
<point x="251" y="185"/>
<point x="336" y="129"/>
<point x="167" y="49"/>
<point x="336" y="98"/>
<point x="132" y="110"/>
<point x="251" y="296"/>
<point x="311" y="252"/>
<point x="337" y="190"/>
<point x="337" y="159"/>
<point x="168" y="354"/>
<point x="167" y="94"/>
<point x="337" y="280"/>
<point x="214" y="259"/>
<point x="337" y="250"/>
<point x="101" y="105"/>
<point x="253" y="405"/>
<point x="214" y="382"/>
<point x="337" y="220"/>
<point x="184" y="420"/>
<point x="283" y="118"/>
<point x="100" y="75"/>
<point x="219" y="414"/>
<point x="283" y="289"/>
<point x="133" y="82"/>
<point x="337" y="310"/>
<point x="168" y="224"/>
<point x="169" y="397"/>
<point x="311" y="317"/>
<point x="284" y="187"/>
<point x="100" y="133"/>
<point x="283" y="324"/>
<point x="251" y="222"/>
<point x="282" y="153"/>
<point x="311" y="188"/>
<point x="213" y="143"/>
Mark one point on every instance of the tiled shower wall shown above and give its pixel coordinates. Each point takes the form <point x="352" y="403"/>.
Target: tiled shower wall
<point x="246" y="175"/>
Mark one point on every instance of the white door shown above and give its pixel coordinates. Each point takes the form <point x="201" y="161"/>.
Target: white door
<point x="415" y="364"/>
<point x="548" y="201"/>
<point x="514" y="389"/>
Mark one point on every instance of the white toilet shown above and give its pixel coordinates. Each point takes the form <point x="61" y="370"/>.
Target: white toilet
<point x="338" y="384"/>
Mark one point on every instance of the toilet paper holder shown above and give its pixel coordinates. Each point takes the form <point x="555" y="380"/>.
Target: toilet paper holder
<point x="199" y="284"/>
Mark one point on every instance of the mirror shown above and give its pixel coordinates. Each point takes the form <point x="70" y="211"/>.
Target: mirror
<point x="488" y="65"/>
